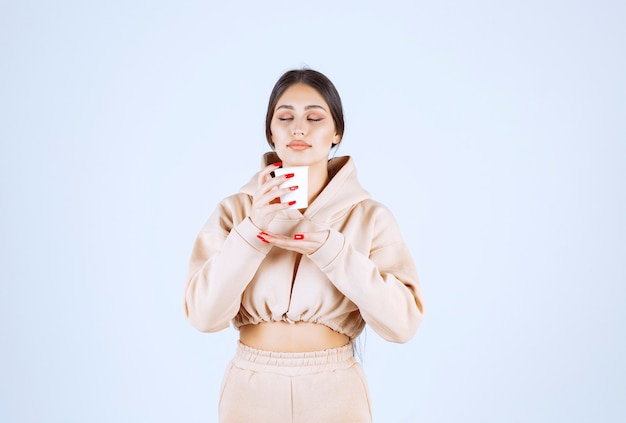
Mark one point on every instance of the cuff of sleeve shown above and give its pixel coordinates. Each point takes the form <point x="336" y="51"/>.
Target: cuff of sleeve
<point x="248" y="232"/>
<point x="329" y="251"/>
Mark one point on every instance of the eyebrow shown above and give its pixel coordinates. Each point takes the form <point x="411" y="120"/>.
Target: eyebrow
<point x="311" y="106"/>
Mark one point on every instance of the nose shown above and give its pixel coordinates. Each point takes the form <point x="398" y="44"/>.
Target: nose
<point x="298" y="128"/>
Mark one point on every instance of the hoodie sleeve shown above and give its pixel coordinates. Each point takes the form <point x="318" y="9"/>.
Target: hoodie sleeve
<point x="223" y="261"/>
<point x="383" y="285"/>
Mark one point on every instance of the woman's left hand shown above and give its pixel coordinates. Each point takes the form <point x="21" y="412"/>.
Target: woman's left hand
<point x="303" y="243"/>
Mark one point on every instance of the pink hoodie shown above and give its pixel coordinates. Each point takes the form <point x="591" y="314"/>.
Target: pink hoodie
<point x="363" y="273"/>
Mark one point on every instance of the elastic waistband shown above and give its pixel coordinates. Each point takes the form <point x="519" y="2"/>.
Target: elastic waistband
<point x="292" y="363"/>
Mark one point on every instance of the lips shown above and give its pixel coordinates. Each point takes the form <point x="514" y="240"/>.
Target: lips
<point x="298" y="145"/>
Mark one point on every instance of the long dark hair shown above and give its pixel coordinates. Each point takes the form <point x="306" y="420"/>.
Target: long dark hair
<point x="313" y="79"/>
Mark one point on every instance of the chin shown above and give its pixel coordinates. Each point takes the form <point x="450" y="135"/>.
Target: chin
<point x="289" y="163"/>
<point x="294" y="159"/>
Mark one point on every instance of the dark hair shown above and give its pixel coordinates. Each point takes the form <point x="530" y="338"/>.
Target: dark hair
<point x="313" y="79"/>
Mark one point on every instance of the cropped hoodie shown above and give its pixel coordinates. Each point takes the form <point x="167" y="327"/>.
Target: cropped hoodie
<point x="363" y="273"/>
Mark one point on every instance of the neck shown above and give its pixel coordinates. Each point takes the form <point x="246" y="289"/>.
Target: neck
<point x="318" y="178"/>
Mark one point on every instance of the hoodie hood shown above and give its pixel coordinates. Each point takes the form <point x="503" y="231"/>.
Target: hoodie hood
<point x="340" y="195"/>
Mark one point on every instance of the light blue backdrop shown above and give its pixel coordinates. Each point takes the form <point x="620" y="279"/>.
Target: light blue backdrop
<point x="493" y="129"/>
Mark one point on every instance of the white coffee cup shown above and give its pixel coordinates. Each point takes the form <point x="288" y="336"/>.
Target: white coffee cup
<point x="301" y="179"/>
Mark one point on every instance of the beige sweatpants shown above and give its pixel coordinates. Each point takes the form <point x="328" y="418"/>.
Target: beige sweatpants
<point x="313" y="387"/>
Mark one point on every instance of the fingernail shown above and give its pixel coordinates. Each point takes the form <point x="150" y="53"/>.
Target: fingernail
<point x="263" y="239"/>
<point x="298" y="236"/>
<point x="293" y="188"/>
<point x="278" y="164"/>
<point x="264" y="233"/>
<point x="291" y="203"/>
<point x="289" y="175"/>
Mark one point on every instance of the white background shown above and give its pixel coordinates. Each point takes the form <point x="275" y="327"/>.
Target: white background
<point x="494" y="130"/>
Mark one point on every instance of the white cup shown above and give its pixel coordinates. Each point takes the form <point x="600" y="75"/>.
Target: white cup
<point x="301" y="179"/>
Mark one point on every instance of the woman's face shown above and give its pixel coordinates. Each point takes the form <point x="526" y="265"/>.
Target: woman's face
<point x="303" y="130"/>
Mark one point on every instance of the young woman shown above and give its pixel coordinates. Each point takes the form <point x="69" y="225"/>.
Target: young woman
<point x="300" y="285"/>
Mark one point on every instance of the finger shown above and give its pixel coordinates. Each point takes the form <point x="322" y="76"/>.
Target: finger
<point x="273" y="196"/>
<point x="278" y="180"/>
<point x="266" y="183"/>
<point x="275" y="207"/>
<point x="312" y="238"/>
<point x="265" y="174"/>
<point x="315" y="237"/>
<point x="288" y="243"/>
<point x="270" y="187"/>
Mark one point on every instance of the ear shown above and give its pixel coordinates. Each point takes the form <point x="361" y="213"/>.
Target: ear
<point x="336" y="139"/>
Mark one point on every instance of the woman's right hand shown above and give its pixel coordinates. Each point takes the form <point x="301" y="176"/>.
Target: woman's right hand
<point x="266" y="200"/>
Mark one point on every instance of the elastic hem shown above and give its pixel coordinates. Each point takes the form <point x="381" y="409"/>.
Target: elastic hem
<point x="293" y="363"/>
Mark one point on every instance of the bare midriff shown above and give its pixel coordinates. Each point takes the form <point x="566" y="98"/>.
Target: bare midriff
<point x="291" y="337"/>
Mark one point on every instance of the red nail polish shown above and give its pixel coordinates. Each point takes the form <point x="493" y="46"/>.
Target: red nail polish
<point x="293" y="188"/>
<point x="298" y="236"/>
<point x="263" y="239"/>
<point x="278" y="164"/>
<point x="289" y="175"/>
<point x="291" y="203"/>
<point x="264" y="233"/>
